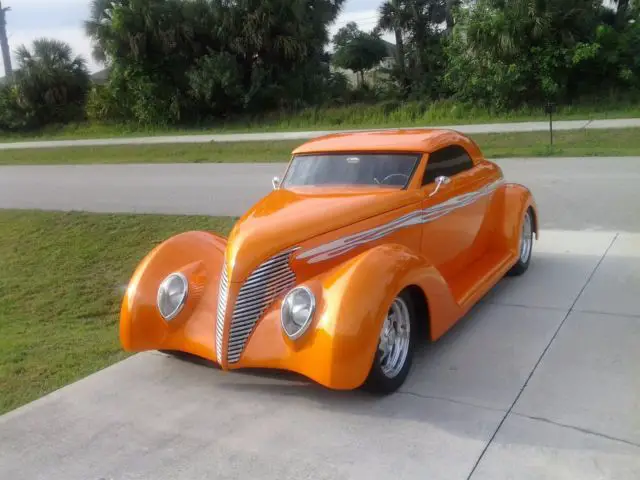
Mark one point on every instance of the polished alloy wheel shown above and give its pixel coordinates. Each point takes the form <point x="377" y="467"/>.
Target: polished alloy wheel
<point x="526" y="240"/>
<point x="395" y="338"/>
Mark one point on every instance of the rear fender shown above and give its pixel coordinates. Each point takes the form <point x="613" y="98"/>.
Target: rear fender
<point x="517" y="199"/>
<point x="200" y="257"/>
<point x="505" y="215"/>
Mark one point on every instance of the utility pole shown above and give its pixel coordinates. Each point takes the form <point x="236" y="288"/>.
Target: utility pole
<point x="4" y="43"/>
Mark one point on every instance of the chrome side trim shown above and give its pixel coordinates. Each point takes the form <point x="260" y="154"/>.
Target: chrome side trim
<point x="223" y="293"/>
<point x="345" y="244"/>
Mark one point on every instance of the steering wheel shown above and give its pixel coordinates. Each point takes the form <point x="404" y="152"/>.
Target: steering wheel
<point x="384" y="180"/>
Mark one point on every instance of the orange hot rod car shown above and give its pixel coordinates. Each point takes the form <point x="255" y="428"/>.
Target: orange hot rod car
<point x="370" y="243"/>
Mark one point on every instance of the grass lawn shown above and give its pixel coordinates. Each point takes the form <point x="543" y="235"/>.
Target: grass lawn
<point x="385" y="114"/>
<point x="495" y="145"/>
<point x="63" y="277"/>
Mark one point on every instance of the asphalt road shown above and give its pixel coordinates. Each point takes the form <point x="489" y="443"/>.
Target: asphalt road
<point x="267" y="136"/>
<point x="572" y="193"/>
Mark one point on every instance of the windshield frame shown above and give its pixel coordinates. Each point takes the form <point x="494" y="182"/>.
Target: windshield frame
<point x="419" y="156"/>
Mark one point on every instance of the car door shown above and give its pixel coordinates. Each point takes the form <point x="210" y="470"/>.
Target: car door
<point x="453" y="209"/>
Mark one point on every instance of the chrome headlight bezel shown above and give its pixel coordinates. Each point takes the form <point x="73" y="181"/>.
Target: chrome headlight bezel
<point x="162" y="290"/>
<point x="285" y="312"/>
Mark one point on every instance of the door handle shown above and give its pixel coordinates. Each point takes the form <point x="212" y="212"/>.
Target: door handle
<point x="441" y="180"/>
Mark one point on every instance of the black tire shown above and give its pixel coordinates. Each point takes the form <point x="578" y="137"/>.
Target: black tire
<point x="377" y="381"/>
<point x="522" y="265"/>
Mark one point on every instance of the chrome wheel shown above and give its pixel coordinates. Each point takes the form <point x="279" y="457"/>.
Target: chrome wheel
<point x="395" y="338"/>
<point x="526" y="240"/>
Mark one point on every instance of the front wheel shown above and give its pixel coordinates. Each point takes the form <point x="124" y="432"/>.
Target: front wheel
<point x="394" y="354"/>
<point x="526" y="246"/>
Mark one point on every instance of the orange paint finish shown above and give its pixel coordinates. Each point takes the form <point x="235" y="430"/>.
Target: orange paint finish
<point x="287" y="217"/>
<point x="411" y="140"/>
<point x="354" y="247"/>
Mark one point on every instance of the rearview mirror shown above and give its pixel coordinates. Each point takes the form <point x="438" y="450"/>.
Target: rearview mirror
<point x="275" y="181"/>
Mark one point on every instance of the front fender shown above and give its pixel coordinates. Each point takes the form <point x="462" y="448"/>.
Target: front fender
<point x="200" y="257"/>
<point x="352" y="301"/>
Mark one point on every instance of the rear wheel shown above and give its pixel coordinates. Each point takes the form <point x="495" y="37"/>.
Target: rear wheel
<point x="394" y="354"/>
<point x="526" y="245"/>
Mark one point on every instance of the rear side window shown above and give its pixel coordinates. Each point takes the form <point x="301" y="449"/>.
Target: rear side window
<point x="447" y="161"/>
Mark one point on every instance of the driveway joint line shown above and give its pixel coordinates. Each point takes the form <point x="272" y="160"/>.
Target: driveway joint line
<point x="449" y="400"/>
<point x="544" y="352"/>
<point x="579" y="429"/>
<point x="519" y="305"/>
<point x="609" y="314"/>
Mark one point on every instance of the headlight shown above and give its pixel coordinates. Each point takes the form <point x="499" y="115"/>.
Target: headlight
<point x="172" y="295"/>
<point x="297" y="310"/>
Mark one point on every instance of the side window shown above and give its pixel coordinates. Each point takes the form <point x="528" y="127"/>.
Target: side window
<point x="447" y="161"/>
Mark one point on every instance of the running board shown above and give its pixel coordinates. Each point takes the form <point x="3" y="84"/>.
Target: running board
<point x="480" y="277"/>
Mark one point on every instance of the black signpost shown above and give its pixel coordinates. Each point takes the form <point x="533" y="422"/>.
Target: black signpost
<point x="549" y="108"/>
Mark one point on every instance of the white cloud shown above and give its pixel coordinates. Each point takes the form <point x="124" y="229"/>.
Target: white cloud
<point x="34" y="14"/>
<point x="366" y="20"/>
<point x="59" y="19"/>
<point x="30" y="4"/>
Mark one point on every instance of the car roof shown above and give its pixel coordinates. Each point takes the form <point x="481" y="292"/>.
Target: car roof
<point x="420" y="140"/>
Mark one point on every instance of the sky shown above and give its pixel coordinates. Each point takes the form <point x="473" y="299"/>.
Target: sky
<point x="62" y="20"/>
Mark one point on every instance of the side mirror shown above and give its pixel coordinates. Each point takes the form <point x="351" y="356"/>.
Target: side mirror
<point x="275" y="181"/>
<point x="441" y="180"/>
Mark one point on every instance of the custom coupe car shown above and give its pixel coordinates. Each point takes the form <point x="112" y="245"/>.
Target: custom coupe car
<point x="371" y="243"/>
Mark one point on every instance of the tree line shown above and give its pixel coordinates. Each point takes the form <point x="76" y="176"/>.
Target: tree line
<point x="186" y="61"/>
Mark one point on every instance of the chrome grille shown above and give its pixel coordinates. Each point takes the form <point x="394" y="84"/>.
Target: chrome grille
<point x="223" y="294"/>
<point x="272" y="278"/>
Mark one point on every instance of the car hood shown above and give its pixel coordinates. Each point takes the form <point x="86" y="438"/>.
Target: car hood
<point x="285" y="218"/>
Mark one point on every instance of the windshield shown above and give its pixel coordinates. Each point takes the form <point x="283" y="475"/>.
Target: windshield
<point x="352" y="169"/>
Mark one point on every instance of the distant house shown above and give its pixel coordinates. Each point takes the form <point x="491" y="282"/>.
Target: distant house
<point x="100" y="77"/>
<point x="375" y="74"/>
<point x="390" y="60"/>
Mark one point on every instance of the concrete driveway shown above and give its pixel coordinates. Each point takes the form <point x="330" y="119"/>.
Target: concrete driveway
<point x="538" y="381"/>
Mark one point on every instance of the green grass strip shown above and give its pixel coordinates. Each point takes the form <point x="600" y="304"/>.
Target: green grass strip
<point x="63" y="278"/>
<point x="614" y="142"/>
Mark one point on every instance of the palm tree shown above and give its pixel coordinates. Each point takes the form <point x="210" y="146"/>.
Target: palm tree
<point x="96" y="27"/>
<point x="52" y="83"/>
<point x="451" y="5"/>
<point x="394" y="18"/>
<point x="136" y="29"/>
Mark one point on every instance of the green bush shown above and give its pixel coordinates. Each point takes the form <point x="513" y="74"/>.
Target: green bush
<point x="103" y="106"/>
<point x="12" y="116"/>
<point x="50" y="83"/>
<point x="557" y="50"/>
<point x="215" y="84"/>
